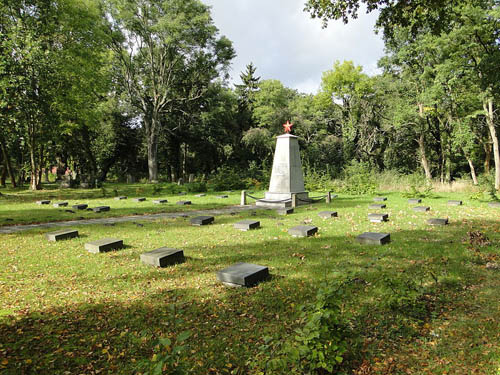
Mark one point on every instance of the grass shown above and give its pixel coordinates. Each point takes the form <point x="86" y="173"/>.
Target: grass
<point x="427" y="303"/>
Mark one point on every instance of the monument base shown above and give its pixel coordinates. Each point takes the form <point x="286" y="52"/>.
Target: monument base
<point x="282" y="200"/>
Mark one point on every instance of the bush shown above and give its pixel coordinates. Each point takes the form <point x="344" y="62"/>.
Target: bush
<point x="359" y="178"/>
<point x="195" y="187"/>
<point x="227" y="179"/>
<point x="418" y="186"/>
<point x="316" y="181"/>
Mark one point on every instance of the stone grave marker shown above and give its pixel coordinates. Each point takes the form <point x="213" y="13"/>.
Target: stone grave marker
<point x="106" y="244"/>
<point x="61" y="234"/>
<point x="221" y="196"/>
<point x="378" y="218"/>
<point x="101" y="209"/>
<point x="377" y="206"/>
<point x="140" y="199"/>
<point x="60" y="204"/>
<point x="81" y="206"/>
<point x="454" y="203"/>
<point x="122" y="197"/>
<point x="245" y="225"/>
<point x="494" y="204"/>
<point x="372" y="238"/>
<point x="43" y="202"/>
<point x="200" y="195"/>
<point x="379" y="199"/>
<point x="303" y="231"/>
<point x="421" y="208"/>
<point x="202" y="220"/>
<point x="243" y="274"/>
<point x="182" y="193"/>
<point x="436" y="221"/>
<point x="183" y="203"/>
<point x="327" y="214"/>
<point x="160" y="201"/>
<point x="414" y="200"/>
<point x="163" y="257"/>
<point x="284" y="211"/>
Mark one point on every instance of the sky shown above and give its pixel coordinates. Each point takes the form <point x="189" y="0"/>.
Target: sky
<point x="284" y="43"/>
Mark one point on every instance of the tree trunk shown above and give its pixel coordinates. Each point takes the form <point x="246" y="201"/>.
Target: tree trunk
<point x="472" y="170"/>
<point x="488" y="108"/>
<point x="34" y="182"/>
<point x="3" y="176"/>
<point x="6" y="162"/>
<point x="152" y="140"/>
<point x="487" y="157"/>
<point x="421" y="146"/>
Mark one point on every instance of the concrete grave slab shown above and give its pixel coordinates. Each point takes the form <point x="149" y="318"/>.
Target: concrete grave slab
<point x="120" y="198"/>
<point x="101" y="209"/>
<point x="43" y="202"/>
<point x="160" y="201"/>
<point x="378" y="218"/>
<point x="80" y="206"/>
<point x="436" y="221"/>
<point x="454" y="203"/>
<point x="162" y="257"/>
<point x="247" y="225"/>
<point x="62" y="234"/>
<point x="243" y="274"/>
<point x="200" y="195"/>
<point x="303" y="230"/>
<point x="182" y="193"/>
<point x="106" y="244"/>
<point x="414" y="200"/>
<point x="60" y="204"/>
<point x="377" y="206"/>
<point x="140" y="199"/>
<point x="221" y="196"/>
<point x="421" y="208"/>
<point x="284" y="211"/>
<point x="184" y="203"/>
<point x="494" y="204"/>
<point x="202" y="220"/>
<point x="327" y="214"/>
<point x="372" y="238"/>
<point x="379" y="199"/>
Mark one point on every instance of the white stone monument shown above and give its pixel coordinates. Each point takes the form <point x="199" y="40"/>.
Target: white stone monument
<point x="286" y="176"/>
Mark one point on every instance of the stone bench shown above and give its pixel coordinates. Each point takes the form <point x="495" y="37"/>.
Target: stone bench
<point x="303" y="231"/>
<point x="372" y="238"/>
<point x="163" y="257"/>
<point x="106" y="244"/>
<point x="245" y="225"/>
<point x="243" y="274"/>
<point x="62" y="234"/>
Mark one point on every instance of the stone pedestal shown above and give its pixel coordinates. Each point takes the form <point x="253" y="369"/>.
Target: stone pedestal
<point x="286" y="176"/>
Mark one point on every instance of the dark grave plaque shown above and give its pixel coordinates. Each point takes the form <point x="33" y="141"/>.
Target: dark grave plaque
<point x="61" y="234"/>
<point x="183" y="203"/>
<point x="414" y="200"/>
<point x="327" y="214"/>
<point x="106" y="244"/>
<point x="101" y="209"/>
<point x="243" y="274"/>
<point x="163" y="257"/>
<point x="60" y="204"/>
<point x="81" y="206"/>
<point x="183" y="193"/>
<point x="421" y="208"/>
<point x="43" y="202"/>
<point x="494" y="204"/>
<point x="200" y="195"/>
<point x="141" y="199"/>
<point x="202" y="220"/>
<point x="436" y="221"/>
<point x="371" y="238"/>
<point x="284" y="211"/>
<point x="378" y="218"/>
<point x="69" y="211"/>
<point x="120" y="198"/>
<point x="377" y="206"/>
<point x="160" y="201"/>
<point x="221" y="196"/>
<point x="454" y="203"/>
<point x="379" y="199"/>
<point x="303" y="230"/>
<point x="247" y="225"/>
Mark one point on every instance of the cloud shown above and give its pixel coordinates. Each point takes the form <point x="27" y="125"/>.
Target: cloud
<point x="284" y="43"/>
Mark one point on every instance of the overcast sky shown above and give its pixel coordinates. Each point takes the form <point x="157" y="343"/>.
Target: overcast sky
<point x="284" y="43"/>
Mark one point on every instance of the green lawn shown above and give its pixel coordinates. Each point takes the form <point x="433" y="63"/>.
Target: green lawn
<point x="427" y="303"/>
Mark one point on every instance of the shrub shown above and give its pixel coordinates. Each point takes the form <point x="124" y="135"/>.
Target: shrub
<point x="359" y="178"/>
<point x="227" y="178"/>
<point x="418" y="186"/>
<point x="316" y="181"/>
<point x="195" y="187"/>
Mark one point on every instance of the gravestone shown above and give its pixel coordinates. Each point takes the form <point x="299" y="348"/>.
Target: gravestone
<point x="378" y="218"/>
<point x="43" y="202"/>
<point x="81" y="206"/>
<point x="106" y="244"/>
<point x="243" y="274"/>
<point x="421" y="208"/>
<point x="120" y="198"/>
<point x="60" y="204"/>
<point x="140" y="199"/>
<point x="61" y="234"/>
<point x="494" y="204"/>
<point x="221" y="196"/>
<point x="202" y="220"/>
<point x="160" y="201"/>
<point x="327" y="214"/>
<point x="183" y="193"/>
<point x="303" y="231"/>
<point x="101" y="209"/>
<point x="286" y="175"/>
<point x="163" y="257"/>
<point x="414" y="200"/>
<point x="454" y="203"/>
<point x="377" y="206"/>
<point x="436" y="221"/>
<point x="371" y="238"/>
<point x="245" y="225"/>
<point x="379" y="199"/>
<point x="284" y="211"/>
<point x="183" y="203"/>
<point x="200" y="195"/>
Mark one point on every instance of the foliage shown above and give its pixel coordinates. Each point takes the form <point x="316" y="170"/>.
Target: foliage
<point x="227" y="178"/>
<point x="359" y="178"/>
<point x="317" y="181"/>
<point x="418" y="186"/>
